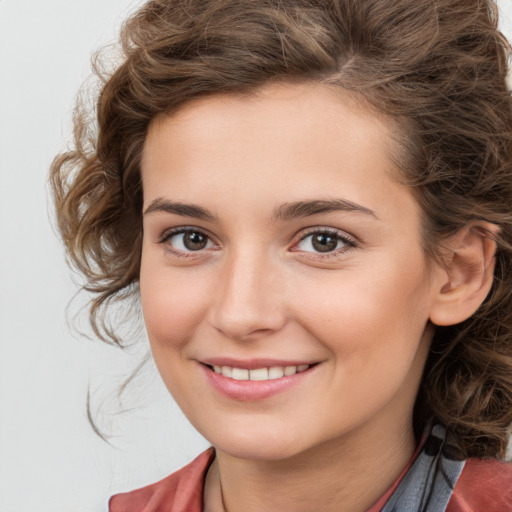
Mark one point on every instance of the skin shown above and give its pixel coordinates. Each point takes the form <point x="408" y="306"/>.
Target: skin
<point x="259" y="289"/>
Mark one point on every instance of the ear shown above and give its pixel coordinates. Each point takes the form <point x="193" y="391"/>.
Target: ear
<point x="464" y="280"/>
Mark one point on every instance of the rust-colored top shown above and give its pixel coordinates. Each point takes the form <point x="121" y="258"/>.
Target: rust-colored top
<point x="483" y="486"/>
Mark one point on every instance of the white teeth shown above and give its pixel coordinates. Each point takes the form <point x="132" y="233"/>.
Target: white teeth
<point x="274" y="372"/>
<point x="227" y="371"/>
<point x="258" y="374"/>
<point x="290" y="370"/>
<point x="240" y="374"/>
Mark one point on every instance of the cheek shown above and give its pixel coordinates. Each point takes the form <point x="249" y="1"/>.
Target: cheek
<point x="373" y="325"/>
<point x="173" y="307"/>
<point x="368" y="313"/>
<point x="173" y="304"/>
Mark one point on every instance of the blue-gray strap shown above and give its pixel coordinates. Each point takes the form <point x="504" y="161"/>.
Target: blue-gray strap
<point x="429" y="483"/>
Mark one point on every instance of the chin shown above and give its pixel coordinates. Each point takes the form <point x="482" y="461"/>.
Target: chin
<point x="258" y="450"/>
<point x="255" y="443"/>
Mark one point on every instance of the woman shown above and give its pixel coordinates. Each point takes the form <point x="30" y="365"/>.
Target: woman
<point x="312" y="200"/>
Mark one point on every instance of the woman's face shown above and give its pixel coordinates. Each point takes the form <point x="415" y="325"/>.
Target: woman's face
<point x="280" y="251"/>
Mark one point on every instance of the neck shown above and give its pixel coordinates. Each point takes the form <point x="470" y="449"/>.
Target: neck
<point x="365" y="464"/>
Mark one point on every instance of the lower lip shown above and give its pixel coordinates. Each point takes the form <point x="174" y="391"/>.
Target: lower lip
<point x="247" y="390"/>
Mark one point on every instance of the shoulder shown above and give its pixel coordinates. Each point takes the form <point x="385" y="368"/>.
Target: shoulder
<point x="484" y="484"/>
<point x="180" y="492"/>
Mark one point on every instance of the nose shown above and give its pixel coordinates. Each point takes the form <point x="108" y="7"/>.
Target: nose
<point x="248" y="303"/>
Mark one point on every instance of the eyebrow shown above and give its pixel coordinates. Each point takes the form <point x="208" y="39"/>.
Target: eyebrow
<point x="299" y="209"/>
<point x="286" y="211"/>
<point x="186" y="210"/>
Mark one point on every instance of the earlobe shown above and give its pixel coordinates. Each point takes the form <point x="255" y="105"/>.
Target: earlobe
<point x="466" y="277"/>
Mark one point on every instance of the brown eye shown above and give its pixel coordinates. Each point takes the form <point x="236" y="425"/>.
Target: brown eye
<point x="324" y="242"/>
<point x="194" y="241"/>
<point x="188" y="240"/>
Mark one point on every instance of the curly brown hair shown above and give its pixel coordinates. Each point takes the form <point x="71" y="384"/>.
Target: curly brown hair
<point x="436" y="67"/>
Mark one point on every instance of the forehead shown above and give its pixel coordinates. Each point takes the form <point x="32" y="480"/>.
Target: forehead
<point x="296" y="111"/>
<point x="284" y="141"/>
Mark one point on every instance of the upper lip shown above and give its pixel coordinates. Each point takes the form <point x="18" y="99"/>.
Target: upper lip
<point x="252" y="364"/>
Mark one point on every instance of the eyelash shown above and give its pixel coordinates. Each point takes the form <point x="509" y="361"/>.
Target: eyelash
<point x="348" y="243"/>
<point x="166" y="237"/>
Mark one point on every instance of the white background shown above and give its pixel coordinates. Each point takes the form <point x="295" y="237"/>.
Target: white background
<point x="50" y="460"/>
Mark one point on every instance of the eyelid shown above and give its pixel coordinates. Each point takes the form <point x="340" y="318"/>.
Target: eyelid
<point x="169" y="233"/>
<point x="350" y="241"/>
<point x="326" y="229"/>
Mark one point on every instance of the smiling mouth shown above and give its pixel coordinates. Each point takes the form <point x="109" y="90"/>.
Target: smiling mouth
<point x="259" y="374"/>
